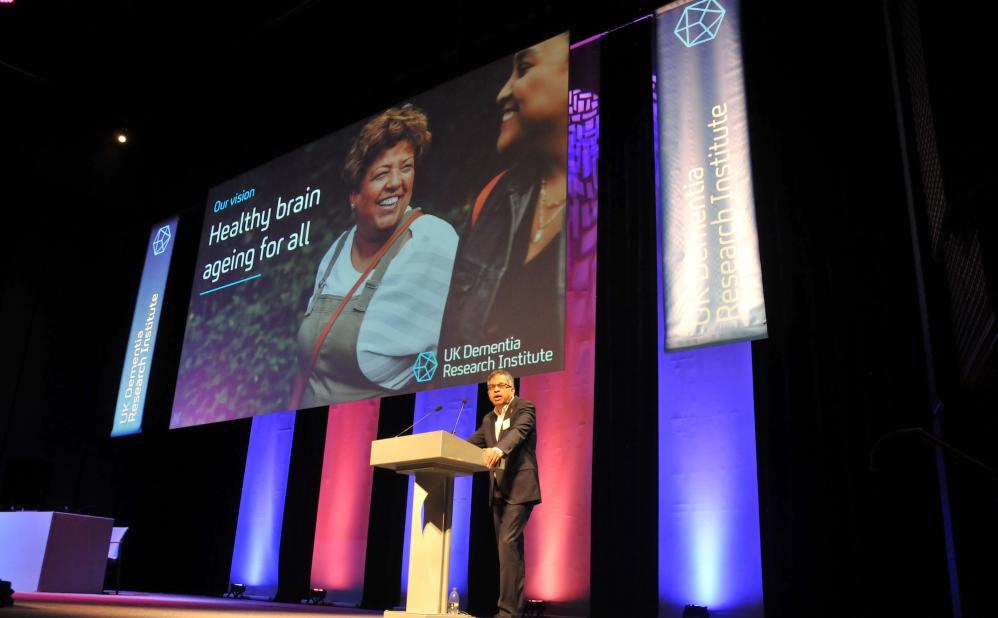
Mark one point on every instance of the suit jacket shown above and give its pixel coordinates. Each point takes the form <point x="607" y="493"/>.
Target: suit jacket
<point x="518" y="483"/>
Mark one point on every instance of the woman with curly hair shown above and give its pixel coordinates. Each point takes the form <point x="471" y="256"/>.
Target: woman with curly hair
<point x="381" y="287"/>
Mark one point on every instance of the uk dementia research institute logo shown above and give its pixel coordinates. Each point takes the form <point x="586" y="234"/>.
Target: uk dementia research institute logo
<point x="162" y="240"/>
<point x="700" y="22"/>
<point x="425" y="366"/>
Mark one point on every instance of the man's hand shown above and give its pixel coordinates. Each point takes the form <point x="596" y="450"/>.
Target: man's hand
<point x="492" y="456"/>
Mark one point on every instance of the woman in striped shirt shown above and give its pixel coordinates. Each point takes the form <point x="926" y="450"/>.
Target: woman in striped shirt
<point x="381" y="287"/>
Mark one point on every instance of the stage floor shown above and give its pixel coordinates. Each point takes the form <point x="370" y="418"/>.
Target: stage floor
<point x="152" y="605"/>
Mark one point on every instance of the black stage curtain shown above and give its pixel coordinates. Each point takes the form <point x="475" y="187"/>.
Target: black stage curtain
<point x="179" y="494"/>
<point x="625" y="439"/>
<point x="301" y="505"/>
<point x="386" y="527"/>
<point x="844" y="363"/>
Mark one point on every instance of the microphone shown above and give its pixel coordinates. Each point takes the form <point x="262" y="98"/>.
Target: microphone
<point x="433" y="411"/>
<point x="463" y="401"/>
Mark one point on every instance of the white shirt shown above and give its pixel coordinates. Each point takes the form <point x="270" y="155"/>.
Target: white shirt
<point x="500" y="419"/>
<point x="405" y="314"/>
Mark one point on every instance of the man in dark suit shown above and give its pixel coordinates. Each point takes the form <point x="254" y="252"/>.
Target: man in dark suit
<point x="508" y="435"/>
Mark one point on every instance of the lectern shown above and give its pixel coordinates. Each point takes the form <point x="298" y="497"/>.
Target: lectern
<point x="434" y="458"/>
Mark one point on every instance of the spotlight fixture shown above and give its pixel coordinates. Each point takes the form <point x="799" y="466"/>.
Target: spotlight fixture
<point x="236" y="591"/>
<point x="534" y="608"/>
<point x="695" y="611"/>
<point x="316" y="596"/>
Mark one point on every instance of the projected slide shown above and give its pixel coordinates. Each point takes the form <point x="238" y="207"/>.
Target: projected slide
<point x="419" y="248"/>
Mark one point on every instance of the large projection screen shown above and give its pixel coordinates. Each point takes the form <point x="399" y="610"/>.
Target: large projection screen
<point x="419" y="248"/>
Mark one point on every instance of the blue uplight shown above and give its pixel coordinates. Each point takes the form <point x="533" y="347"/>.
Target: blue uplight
<point x="709" y="546"/>
<point x="261" y="508"/>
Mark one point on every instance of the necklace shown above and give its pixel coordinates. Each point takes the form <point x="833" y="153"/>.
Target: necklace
<point x="545" y="207"/>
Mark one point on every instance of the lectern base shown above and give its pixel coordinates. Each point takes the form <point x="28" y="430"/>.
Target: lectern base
<point x="434" y="459"/>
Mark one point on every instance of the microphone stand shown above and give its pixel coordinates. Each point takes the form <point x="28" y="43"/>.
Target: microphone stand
<point x="431" y="412"/>
<point x="463" y="402"/>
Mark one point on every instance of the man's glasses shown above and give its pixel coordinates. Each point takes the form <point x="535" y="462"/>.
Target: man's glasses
<point x="501" y="386"/>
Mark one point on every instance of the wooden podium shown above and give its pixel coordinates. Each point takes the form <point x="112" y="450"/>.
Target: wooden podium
<point x="434" y="458"/>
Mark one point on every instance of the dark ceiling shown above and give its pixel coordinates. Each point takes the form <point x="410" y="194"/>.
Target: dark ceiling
<point x="209" y="90"/>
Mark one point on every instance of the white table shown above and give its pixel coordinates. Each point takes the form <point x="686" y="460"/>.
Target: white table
<point x="54" y="552"/>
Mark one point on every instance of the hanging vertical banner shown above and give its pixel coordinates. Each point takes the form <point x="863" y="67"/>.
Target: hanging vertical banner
<point x="713" y="281"/>
<point x="142" y="337"/>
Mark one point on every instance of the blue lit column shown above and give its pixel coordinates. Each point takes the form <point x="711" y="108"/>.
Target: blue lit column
<point x="261" y="508"/>
<point x="708" y="505"/>
<point x="450" y="400"/>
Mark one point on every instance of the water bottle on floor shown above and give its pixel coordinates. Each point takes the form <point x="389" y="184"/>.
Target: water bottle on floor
<point x="453" y="602"/>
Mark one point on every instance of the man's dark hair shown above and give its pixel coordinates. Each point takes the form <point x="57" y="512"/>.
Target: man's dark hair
<point x="501" y="372"/>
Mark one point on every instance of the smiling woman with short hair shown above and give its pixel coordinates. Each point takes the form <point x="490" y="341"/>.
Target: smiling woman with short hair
<point x="380" y="288"/>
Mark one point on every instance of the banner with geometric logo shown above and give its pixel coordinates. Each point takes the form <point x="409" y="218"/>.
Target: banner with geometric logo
<point x="142" y="339"/>
<point x="712" y="276"/>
